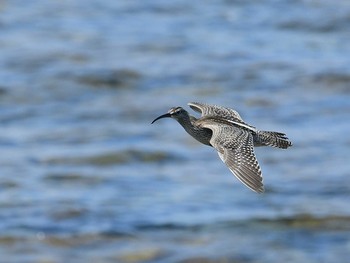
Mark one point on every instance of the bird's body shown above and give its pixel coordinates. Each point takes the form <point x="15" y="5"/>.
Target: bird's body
<point x="225" y="130"/>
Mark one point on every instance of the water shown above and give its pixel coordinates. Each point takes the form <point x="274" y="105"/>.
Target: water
<point x="86" y="178"/>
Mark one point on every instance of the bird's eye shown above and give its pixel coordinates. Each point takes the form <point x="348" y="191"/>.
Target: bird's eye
<point x="176" y="111"/>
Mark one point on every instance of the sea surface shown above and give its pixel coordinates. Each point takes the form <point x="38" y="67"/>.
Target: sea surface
<point x="85" y="177"/>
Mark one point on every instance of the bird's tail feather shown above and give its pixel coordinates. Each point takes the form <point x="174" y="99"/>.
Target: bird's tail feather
<point x="274" y="139"/>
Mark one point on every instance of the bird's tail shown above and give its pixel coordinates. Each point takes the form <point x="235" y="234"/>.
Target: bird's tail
<point x="274" y="139"/>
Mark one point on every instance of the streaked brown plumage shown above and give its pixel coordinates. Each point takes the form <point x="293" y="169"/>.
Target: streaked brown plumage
<point x="225" y="130"/>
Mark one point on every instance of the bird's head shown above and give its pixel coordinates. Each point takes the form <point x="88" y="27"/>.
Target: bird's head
<point x="176" y="113"/>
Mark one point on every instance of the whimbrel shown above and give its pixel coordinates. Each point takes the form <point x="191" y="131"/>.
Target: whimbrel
<point x="224" y="129"/>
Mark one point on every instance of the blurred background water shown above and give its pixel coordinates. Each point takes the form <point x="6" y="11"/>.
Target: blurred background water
<point x="86" y="178"/>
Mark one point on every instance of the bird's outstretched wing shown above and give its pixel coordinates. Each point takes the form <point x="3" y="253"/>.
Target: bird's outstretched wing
<point x="228" y="114"/>
<point x="235" y="148"/>
<point x="212" y="110"/>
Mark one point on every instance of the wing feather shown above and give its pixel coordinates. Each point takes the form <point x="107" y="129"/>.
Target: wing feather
<point x="210" y="110"/>
<point x="228" y="114"/>
<point x="235" y="149"/>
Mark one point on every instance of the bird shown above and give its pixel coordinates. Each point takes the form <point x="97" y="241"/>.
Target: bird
<point x="224" y="129"/>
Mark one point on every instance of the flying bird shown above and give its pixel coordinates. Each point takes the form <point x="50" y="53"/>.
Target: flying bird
<point x="224" y="129"/>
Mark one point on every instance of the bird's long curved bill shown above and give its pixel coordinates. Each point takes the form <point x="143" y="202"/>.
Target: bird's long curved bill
<point x="166" y="115"/>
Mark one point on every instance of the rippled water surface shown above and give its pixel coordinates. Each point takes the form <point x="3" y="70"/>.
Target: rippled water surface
<point x="84" y="175"/>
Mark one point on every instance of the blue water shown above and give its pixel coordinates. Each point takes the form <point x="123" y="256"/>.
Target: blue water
<point x="84" y="175"/>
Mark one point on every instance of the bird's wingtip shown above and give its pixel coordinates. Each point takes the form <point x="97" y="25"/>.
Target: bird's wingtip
<point x="260" y="190"/>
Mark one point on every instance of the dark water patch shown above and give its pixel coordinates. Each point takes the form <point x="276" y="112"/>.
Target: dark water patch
<point x="128" y="156"/>
<point x="322" y="18"/>
<point x="148" y="254"/>
<point x="67" y="242"/>
<point x="260" y="102"/>
<point x="115" y="234"/>
<point x="115" y="158"/>
<point x="63" y="240"/>
<point x="324" y="25"/>
<point x="7" y="240"/>
<point x="4" y="185"/>
<point x="43" y="247"/>
<point x="71" y="178"/>
<point x="302" y="221"/>
<point x="68" y="213"/>
<point x="3" y="91"/>
<point x="110" y="78"/>
<point x="201" y="259"/>
<point x="337" y="223"/>
<point x="77" y="240"/>
<point x="339" y="81"/>
<point x="169" y="226"/>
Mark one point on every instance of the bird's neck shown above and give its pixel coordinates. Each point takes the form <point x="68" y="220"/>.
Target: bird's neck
<point x="187" y="122"/>
<point x="200" y="134"/>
